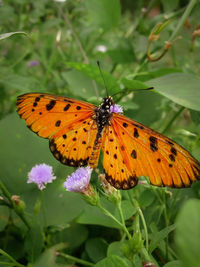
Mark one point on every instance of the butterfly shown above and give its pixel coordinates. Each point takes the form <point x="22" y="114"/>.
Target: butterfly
<point x="77" y="131"/>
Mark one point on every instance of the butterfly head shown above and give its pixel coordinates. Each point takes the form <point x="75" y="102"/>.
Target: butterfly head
<point x="104" y="107"/>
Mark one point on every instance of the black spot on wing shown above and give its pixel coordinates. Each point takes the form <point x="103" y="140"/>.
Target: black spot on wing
<point x="172" y="158"/>
<point x="136" y="134"/>
<point x="134" y="154"/>
<point x="64" y="160"/>
<point x="138" y="126"/>
<point x="58" y="122"/>
<point x="173" y="150"/>
<point x="126" y="184"/>
<point x="169" y="142"/>
<point x="68" y="100"/>
<point x="50" y="105"/>
<point x="37" y="99"/>
<point x="153" y="143"/>
<point x="67" y="107"/>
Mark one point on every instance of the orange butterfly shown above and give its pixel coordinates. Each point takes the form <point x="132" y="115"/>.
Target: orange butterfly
<point x="78" y="130"/>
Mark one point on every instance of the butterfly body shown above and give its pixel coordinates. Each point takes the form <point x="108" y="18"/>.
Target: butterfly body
<point x="77" y="131"/>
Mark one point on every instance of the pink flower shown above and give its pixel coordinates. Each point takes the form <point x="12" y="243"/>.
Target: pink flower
<point x="79" y="180"/>
<point x="41" y="175"/>
<point x="116" y="109"/>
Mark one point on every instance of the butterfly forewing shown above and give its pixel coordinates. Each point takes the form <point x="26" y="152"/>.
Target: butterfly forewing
<point x="142" y="151"/>
<point x="66" y="122"/>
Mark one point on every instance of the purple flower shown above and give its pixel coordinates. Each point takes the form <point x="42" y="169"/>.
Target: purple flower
<point x="33" y="63"/>
<point x="41" y="175"/>
<point x="79" y="180"/>
<point x="116" y="109"/>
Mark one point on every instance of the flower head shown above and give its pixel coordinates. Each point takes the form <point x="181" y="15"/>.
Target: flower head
<point x="116" y="109"/>
<point x="41" y="175"/>
<point x="79" y="180"/>
<point x="33" y="63"/>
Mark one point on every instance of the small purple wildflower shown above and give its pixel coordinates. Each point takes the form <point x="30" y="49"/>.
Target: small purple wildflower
<point x="116" y="109"/>
<point x="41" y="175"/>
<point x="33" y="63"/>
<point x="79" y="180"/>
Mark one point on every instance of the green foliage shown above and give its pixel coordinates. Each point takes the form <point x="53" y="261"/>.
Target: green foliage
<point x="52" y="47"/>
<point x="188" y="233"/>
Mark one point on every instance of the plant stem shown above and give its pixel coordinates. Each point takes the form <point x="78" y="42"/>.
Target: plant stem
<point x="122" y="218"/>
<point x="13" y="205"/>
<point x="183" y="19"/>
<point x="69" y="257"/>
<point x="173" y="119"/>
<point x="11" y="258"/>
<point x="166" y="222"/>
<point x="123" y="226"/>
<point x="136" y="204"/>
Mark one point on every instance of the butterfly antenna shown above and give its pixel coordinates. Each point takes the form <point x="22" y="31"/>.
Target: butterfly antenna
<point x="135" y="90"/>
<point x="98" y="63"/>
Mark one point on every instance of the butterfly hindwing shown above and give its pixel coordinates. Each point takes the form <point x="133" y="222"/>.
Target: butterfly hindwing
<point x="73" y="146"/>
<point x="142" y="151"/>
<point x="66" y="122"/>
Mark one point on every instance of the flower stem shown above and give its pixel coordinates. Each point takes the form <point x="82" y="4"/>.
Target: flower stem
<point x="136" y="204"/>
<point x="13" y="206"/>
<point x="69" y="257"/>
<point x="183" y="19"/>
<point x="122" y="219"/>
<point x="11" y="259"/>
<point x="123" y="226"/>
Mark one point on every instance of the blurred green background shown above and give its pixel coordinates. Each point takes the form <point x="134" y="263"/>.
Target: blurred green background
<point x="57" y="53"/>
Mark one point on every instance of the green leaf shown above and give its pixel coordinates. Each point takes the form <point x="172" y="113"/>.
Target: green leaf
<point x="4" y="217"/>
<point x="116" y="248"/>
<point x="133" y="84"/>
<point x="187" y="234"/>
<point x="79" y="84"/>
<point x="56" y="205"/>
<point x="170" y="5"/>
<point x="105" y="14"/>
<point x="127" y="208"/>
<point x="122" y="52"/>
<point x="195" y="115"/>
<point x="148" y="104"/>
<point x="146" y="198"/>
<point x="24" y="150"/>
<point x="93" y="215"/>
<point x="73" y="235"/>
<point x="96" y="249"/>
<point x="8" y="34"/>
<point x="112" y="261"/>
<point x="48" y="258"/>
<point x="21" y="83"/>
<point x="148" y="75"/>
<point x="94" y="73"/>
<point x="174" y="264"/>
<point x="159" y="236"/>
<point x="34" y="242"/>
<point x="181" y="88"/>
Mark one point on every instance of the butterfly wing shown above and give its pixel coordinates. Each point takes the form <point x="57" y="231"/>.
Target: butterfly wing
<point x="66" y="122"/>
<point x="131" y="150"/>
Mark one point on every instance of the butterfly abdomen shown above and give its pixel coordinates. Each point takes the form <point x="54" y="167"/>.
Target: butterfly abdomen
<point x="94" y="157"/>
